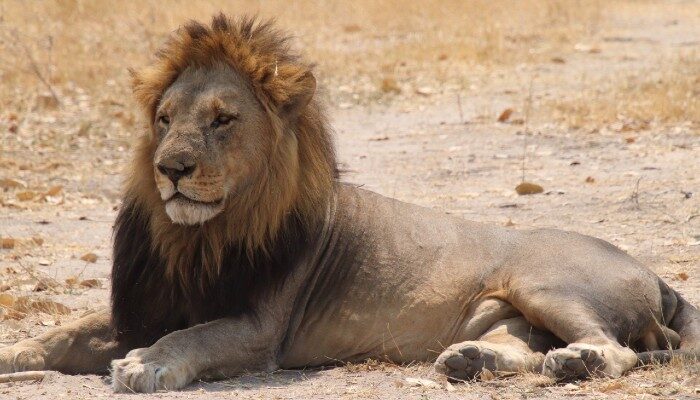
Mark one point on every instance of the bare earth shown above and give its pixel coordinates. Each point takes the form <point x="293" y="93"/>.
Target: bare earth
<point x="638" y="188"/>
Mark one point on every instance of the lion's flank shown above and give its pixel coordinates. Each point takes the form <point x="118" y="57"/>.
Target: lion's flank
<point x="294" y="192"/>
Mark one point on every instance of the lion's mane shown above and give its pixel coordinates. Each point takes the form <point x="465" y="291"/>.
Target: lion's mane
<point x="165" y="276"/>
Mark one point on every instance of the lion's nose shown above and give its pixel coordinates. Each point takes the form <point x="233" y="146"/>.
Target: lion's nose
<point x="176" y="168"/>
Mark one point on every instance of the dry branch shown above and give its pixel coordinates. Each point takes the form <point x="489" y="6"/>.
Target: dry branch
<point x="22" y="376"/>
<point x="35" y="67"/>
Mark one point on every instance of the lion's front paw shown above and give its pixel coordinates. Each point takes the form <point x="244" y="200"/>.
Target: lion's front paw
<point x="148" y="370"/>
<point x="21" y="357"/>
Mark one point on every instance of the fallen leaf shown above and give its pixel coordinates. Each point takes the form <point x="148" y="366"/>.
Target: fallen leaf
<point x="47" y="101"/>
<point x="13" y="315"/>
<point x="84" y="128"/>
<point x="505" y="115"/>
<point x="25" y="195"/>
<point x="389" y="85"/>
<point x="90" y="283"/>
<point x="527" y="188"/>
<point x="558" y="60"/>
<point x="8" y="183"/>
<point x="610" y="386"/>
<point x="681" y="276"/>
<point x="26" y="305"/>
<point x="587" y="48"/>
<point x="590" y="179"/>
<point x="423" y="382"/>
<point x="7" y="300"/>
<point x="50" y="307"/>
<point x="40" y="287"/>
<point x="55" y="200"/>
<point x="7" y="243"/>
<point x="352" y="28"/>
<point x="54" y="191"/>
<point x="425" y="91"/>
<point x="486" y="375"/>
<point x="89" y="257"/>
<point x="45" y="284"/>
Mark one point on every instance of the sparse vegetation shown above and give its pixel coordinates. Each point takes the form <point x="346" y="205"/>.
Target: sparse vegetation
<point x="635" y="101"/>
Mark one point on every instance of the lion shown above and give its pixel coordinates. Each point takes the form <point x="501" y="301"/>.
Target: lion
<point x="237" y="248"/>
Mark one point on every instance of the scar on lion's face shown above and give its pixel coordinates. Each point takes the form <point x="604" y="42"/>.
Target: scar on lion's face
<point x="212" y="134"/>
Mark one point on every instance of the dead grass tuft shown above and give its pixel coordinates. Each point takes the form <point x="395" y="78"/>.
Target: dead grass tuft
<point x="369" y="365"/>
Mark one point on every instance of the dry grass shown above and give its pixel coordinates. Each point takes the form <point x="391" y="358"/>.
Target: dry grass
<point x="80" y="50"/>
<point x="89" y="44"/>
<point x="635" y="101"/>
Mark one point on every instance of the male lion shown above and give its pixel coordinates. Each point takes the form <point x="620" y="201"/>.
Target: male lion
<point x="236" y="250"/>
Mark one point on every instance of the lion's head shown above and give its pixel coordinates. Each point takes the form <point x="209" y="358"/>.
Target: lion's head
<point x="237" y="142"/>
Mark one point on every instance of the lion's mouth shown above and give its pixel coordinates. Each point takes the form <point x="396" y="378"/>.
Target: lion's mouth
<point x="184" y="210"/>
<point x="181" y="198"/>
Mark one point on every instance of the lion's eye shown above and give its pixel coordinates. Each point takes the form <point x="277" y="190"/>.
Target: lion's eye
<point x="221" y="120"/>
<point x="164" y="119"/>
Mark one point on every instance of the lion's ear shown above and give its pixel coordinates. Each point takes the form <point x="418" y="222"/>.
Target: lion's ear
<point x="302" y="93"/>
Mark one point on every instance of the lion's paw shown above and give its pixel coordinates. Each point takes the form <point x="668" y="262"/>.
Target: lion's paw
<point x="146" y="371"/>
<point x="21" y="357"/>
<point x="577" y="360"/>
<point x="466" y="360"/>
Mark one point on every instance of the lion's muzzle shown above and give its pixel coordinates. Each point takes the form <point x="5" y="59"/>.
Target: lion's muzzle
<point x="190" y="198"/>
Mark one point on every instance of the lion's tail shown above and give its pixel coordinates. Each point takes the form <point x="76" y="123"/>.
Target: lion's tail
<point x="686" y="322"/>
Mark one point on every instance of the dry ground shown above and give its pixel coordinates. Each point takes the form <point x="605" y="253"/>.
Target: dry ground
<point x="605" y="116"/>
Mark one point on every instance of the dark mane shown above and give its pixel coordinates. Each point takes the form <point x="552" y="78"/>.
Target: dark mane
<point x="146" y="306"/>
<point x="166" y="276"/>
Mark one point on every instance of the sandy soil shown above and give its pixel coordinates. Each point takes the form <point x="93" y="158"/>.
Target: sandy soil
<point x="635" y="187"/>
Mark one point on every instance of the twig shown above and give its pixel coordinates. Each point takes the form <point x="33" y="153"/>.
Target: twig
<point x="394" y="340"/>
<point x="459" y="107"/>
<point x="49" y="51"/>
<point x="35" y="67"/>
<point x="635" y="195"/>
<point x="22" y="376"/>
<point x="528" y="106"/>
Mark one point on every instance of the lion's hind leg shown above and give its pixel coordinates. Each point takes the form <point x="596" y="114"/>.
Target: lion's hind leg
<point x="510" y="345"/>
<point x="593" y="349"/>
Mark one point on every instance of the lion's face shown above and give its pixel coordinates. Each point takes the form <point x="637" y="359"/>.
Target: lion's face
<point x="212" y="134"/>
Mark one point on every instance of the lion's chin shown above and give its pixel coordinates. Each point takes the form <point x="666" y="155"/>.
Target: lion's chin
<point x="188" y="212"/>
